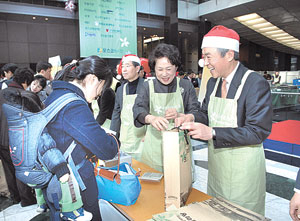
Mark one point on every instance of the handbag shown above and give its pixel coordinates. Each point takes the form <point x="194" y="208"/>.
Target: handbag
<point x="118" y="184"/>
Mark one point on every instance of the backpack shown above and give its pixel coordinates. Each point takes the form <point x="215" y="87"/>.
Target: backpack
<point x="26" y="130"/>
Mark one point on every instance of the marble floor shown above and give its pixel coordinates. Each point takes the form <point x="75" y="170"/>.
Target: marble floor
<point x="277" y="207"/>
<point x="277" y="201"/>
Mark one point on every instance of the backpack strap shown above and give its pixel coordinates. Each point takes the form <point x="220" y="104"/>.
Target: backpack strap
<point x="58" y="104"/>
<point x="49" y="113"/>
<point x="75" y="168"/>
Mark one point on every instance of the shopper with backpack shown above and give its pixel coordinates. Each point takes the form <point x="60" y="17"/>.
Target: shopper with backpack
<point x="75" y="126"/>
<point x="50" y="173"/>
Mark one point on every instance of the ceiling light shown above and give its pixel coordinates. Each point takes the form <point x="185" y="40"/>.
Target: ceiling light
<point x="153" y="39"/>
<point x="280" y="35"/>
<point x="255" y="21"/>
<point x="274" y="32"/>
<point x="248" y="17"/>
<point x="264" y="27"/>
<point x="263" y="24"/>
<point x="286" y="37"/>
<point x="268" y="28"/>
<point x="289" y="40"/>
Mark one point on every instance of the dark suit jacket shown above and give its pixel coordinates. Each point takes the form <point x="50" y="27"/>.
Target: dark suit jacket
<point x="254" y="111"/>
<point x="115" y="124"/>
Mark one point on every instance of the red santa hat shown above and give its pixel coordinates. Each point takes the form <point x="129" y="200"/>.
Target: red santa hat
<point x="131" y="57"/>
<point x="128" y="57"/>
<point x="221" y="37"/>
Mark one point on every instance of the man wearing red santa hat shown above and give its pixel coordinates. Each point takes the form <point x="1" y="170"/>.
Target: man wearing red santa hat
<point x="122" y="117"/>
<point x="236" y="117"/>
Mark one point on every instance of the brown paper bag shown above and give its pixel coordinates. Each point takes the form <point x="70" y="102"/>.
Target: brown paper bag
<point x="3" y="184"/>
<point x="177" y="168"/>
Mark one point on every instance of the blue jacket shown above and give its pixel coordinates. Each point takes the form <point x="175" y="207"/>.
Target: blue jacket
<point x="76" y="122"/>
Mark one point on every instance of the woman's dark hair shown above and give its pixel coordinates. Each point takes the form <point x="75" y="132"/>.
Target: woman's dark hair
<point x="23" y="99"/>
<point x="165" y="50"/>
<point x="23" y="75"/>
<point x="90" y="65"/>
<point x="41" y="79"/>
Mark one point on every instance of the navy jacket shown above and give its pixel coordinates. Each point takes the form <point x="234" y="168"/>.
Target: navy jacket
<point x="254" y="111"/>
<point x="76" y="122"/>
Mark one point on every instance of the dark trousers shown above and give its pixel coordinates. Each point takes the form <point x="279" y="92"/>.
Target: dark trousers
<point x="90" y="195"/>
<point x="19" y="191"/>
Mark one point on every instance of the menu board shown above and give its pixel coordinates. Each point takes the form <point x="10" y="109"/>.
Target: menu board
<point x="107" y="28"/>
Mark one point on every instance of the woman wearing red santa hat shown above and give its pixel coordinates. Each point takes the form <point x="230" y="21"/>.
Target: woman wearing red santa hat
<point x="236" y="117"/>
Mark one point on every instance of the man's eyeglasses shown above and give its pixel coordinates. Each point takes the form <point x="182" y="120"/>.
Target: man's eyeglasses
<point x="126" y="66"/>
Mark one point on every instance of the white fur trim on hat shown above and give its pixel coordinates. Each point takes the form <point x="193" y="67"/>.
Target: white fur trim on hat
<point x="220" y="42"/>
<point x="201" y="62"/>
<point x="131" y="58"/>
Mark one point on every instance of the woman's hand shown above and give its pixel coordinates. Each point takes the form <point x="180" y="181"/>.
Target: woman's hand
<point x="184" y="118"/>
<point x="171" y="113"/>
<point x="160" y="123"/>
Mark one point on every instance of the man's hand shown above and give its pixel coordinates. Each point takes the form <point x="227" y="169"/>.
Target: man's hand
<point x="160" y="123"/>
<point x="295" y="207"/>
<point x="198" y="130"/>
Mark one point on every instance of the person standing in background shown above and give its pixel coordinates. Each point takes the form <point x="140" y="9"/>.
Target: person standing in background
<point x="19" y="191"/>
<point x="9" y="70"/>
<point x="276" y="78"/>
<point x="44" y="69"/>
<point x="37" y="85"/>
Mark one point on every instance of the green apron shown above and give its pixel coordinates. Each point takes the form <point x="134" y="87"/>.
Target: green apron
<point x="237" y="174"/>
<point x="130" y="136"/>
<point x="159" y="103"/>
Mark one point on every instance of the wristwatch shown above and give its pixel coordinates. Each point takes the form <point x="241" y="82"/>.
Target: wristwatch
<point x="213" y="134"/>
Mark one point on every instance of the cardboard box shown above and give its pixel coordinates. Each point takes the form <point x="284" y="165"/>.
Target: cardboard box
<point x="210" y="210"/>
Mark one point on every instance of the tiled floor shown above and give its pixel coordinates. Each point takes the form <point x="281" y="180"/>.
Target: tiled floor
<point x="277" y="208"/>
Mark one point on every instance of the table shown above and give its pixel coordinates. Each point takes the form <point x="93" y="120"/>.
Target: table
<point x="151" y="199"/>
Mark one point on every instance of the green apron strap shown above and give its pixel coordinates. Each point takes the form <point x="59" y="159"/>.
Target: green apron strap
<point x="215" y="88"/>
<point x="239" y="91"/>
